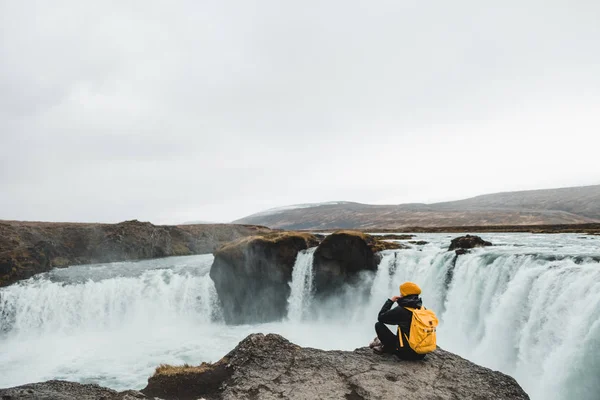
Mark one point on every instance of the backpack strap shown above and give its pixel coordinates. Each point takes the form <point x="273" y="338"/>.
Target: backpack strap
<point x="413" y="309"/>
<point x="400" y="337"/>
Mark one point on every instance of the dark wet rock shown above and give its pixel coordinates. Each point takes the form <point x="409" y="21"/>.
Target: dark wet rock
<point x="187" y="382"/>
<point x="252" y="275"/>
<point x="270" y="367"/>
<point x="460" y="252"/>
<point x="342" y="255"/>
<point x="450" y="271"/>
<point x="468" y="242"/>
<point x="320" y="236"/>
<point x="29" y="248"/>
<point x="418" y="242"/>
<point x="63" y="390"/>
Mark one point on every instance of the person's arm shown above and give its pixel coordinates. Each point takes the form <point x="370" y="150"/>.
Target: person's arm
<point x="390" y="316"/>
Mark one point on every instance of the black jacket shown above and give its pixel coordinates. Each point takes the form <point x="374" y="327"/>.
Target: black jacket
<point x="402" y="317"/>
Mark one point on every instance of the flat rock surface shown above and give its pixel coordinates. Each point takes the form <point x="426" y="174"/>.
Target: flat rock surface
<point x="270" y="367"/>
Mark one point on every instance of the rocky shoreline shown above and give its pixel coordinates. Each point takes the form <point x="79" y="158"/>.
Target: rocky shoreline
<point x="29" y="248"/>
<point x="271" y="367"/>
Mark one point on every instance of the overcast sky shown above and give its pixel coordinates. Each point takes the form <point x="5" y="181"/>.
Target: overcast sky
<point x="213" y="110"/>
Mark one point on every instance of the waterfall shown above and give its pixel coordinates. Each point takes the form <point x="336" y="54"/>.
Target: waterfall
<point x="111" y="323"/>
<point x="530" y="318"/>
<point x="301" y="285"/>
<point x="531" y="311"/>
<point x="47" y="305"/>
<point x="155" y="298"/>
<point x="429" y="269"/>
<point x="533" y="317"/>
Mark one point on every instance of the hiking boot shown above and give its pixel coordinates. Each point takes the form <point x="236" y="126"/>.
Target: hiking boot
<point x="375" y="342"/>
<point x="378" y="349"/>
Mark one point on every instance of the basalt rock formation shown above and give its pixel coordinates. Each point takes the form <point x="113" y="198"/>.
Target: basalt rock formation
<point x="63" y="390"/>
<point x="342" y="255"/>
<point x="29" y="248"/>
<point x="270" y="367"/>
<point x="252" y="275"/>
<point x="467" y="242"/>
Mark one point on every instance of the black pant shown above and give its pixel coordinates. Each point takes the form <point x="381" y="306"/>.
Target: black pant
<point x="387" y="338"/>
<point x="391" y="344"/>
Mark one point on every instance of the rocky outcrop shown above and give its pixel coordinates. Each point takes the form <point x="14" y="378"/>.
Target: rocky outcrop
<point x="29" y="248"/>
<point x="252" y="275"/>
<point x="342" y="255"/>
<point x="467" y="242"/>
<point x="63" y="390"/>
<point x="270" y="367"/>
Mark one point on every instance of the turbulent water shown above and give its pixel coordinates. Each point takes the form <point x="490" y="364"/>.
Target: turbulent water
<point x="529" y="306"/>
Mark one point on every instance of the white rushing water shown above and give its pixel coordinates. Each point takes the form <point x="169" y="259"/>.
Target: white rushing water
<point x="301" y="286"/>
<point x="529" y="306"/>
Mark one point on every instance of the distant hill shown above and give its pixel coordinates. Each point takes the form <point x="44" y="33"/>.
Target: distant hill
<point x="576" y="205"/>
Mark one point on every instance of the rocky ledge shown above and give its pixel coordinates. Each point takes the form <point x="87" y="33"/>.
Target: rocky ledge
<point x="270" y="367"/>
<point x="252" y="275"/>
<point x="29" y="248"/>
<point x="463" y="243"/>
<point x="342" y="256"/>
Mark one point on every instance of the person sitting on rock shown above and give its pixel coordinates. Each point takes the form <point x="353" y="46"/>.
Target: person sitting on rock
<point x="390" y="343"/>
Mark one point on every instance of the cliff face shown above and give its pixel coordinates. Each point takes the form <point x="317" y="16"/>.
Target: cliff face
<point x="270" y="367"/>
<point x="29" y="248"/>
<point x="252" y="275"/>
<point x="343" y="255"/>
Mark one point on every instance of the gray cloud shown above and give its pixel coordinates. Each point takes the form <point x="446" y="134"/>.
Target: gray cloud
<point x="214" y="110"/>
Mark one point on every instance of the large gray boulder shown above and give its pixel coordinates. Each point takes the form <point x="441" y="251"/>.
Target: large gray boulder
<point x="270" y="367"/>
<point x="343" y="255"/>
<point x="467" y="242"/>
<point x="252" y="275"/>
<point x="63" y="390"/>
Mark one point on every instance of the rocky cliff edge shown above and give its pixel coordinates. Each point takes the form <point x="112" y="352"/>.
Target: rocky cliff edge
<point x="270" y="367"/>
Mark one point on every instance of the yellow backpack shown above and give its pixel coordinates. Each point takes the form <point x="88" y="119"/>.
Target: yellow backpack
<point x="422" y="337"/>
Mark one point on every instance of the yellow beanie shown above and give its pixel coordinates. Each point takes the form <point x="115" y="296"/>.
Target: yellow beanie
<point x="408" y="288"/>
